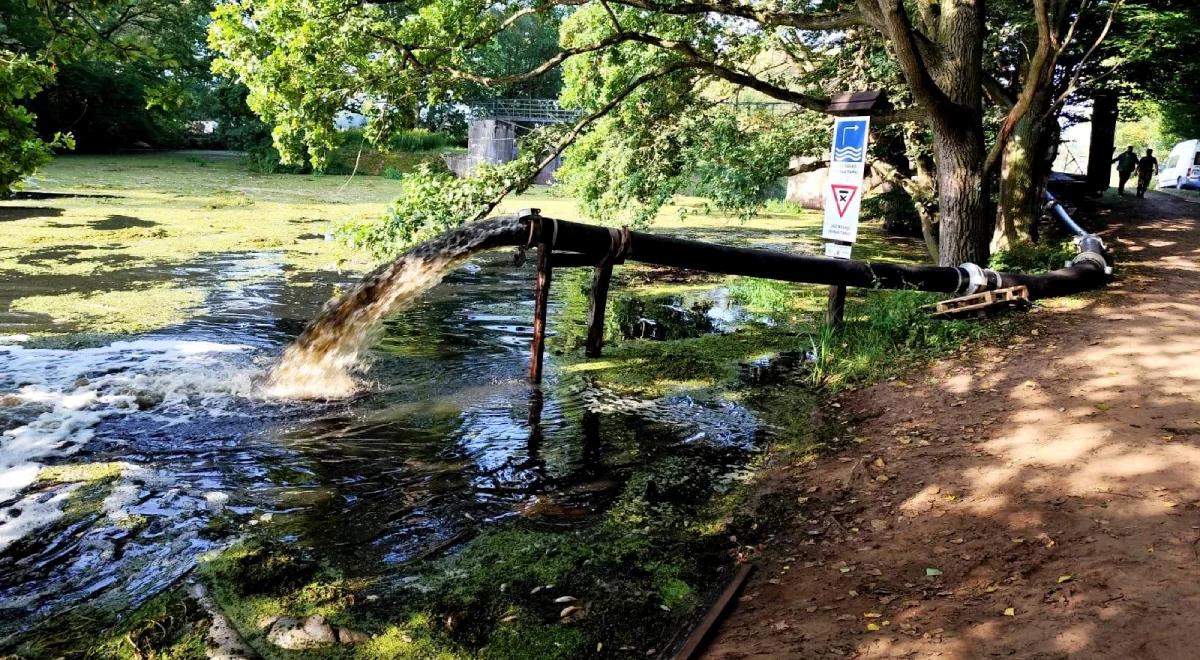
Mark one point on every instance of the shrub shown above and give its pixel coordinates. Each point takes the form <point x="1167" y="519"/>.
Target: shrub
<point x="1033" y="257"/>
<point x="419" y="139"/>
<point x="896" y="210"/>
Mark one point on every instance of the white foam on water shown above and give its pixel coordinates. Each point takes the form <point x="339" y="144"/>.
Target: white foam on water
<point x="33" y="512"/>
<point x="61" y="396"/>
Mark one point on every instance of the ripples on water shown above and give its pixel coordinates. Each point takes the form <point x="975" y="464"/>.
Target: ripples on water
<point x="448" y="437"/>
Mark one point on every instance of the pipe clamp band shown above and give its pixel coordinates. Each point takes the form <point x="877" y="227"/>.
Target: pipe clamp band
<point x="1090" y="257"/>
<point x="976" y="278"/>
<point x="535" y="223"/>
<point x="618" y="246"/>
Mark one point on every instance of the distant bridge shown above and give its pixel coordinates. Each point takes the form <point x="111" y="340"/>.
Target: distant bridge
<point x="531" y="111"/>
<point x="493" y="125"/>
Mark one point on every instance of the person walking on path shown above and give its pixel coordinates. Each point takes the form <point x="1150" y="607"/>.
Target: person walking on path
<point x="1147" y="167"/>
<point x="1127" y="162"/>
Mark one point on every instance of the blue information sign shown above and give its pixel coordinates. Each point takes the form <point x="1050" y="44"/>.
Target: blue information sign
<point x="850" y="142"/>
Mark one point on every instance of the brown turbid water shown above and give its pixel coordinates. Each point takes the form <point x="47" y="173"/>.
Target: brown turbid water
<point x="323" y="360"/>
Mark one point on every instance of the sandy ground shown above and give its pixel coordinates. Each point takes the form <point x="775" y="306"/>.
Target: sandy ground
<point x="1034" y="500"/>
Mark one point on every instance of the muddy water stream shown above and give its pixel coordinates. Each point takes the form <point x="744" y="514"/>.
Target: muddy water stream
<point x="183" y="452"/>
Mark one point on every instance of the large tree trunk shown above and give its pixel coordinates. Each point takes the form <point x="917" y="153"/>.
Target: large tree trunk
<point x="1018" y="198"/>
<point x="962" y="192"/>
<point x="945" y="78"/>
<point x="1023" y="172"/>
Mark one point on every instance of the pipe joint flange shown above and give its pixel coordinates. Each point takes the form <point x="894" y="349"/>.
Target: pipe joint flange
<point x="1091" y="258"/>
<point x="976" y="278"/>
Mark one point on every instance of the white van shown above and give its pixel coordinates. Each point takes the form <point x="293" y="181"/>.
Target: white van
<point x="1181" y="169"/>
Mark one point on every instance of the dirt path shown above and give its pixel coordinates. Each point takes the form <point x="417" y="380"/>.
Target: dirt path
<point x="1058" y="476"/>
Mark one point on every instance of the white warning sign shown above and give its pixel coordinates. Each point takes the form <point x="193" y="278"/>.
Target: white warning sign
<point x="847" y="166"/>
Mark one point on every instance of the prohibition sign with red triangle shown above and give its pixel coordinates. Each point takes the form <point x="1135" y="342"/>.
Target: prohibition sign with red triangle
<point x="842" y="196"/>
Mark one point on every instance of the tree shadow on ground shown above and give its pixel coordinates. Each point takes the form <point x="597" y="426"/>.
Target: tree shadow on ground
<point x="13" y="213"/>
<point x="1053" y="484"/>
<point x="114" y="222"/>
<point x="40" y="195"/>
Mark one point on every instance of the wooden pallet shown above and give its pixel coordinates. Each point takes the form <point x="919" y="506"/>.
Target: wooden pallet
<point x="981" y="304"/>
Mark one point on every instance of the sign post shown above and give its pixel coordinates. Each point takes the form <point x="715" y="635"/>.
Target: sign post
<point x="843" y="199"/>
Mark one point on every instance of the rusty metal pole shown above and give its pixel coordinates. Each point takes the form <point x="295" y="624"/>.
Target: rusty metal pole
<point x="541" y="299"/>
<point x="601" y="277"/>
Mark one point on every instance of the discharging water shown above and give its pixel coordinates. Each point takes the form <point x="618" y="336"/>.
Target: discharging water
<point x="121" y="463"/>
<point x="322" y="361"/>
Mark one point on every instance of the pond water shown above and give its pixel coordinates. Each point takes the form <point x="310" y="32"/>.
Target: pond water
<point x="448" y="438"/>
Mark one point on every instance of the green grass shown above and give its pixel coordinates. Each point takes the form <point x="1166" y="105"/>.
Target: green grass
<point x="170" y="626"/>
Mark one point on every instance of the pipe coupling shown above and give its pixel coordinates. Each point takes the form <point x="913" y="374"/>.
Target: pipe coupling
<point x="976" y="278"/>
<point x="1092" y="258"/>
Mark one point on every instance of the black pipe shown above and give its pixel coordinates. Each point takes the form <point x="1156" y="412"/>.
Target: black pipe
<point x="1087" y="271"/>
<point x="1059" y="212"/>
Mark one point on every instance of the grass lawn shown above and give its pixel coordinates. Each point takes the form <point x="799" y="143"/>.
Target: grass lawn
<point x="131" y="212"/>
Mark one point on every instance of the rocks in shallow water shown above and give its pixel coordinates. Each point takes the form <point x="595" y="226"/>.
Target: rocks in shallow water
<point x="266" y="622"/>
<point x="215" y="501"/>
<point x="296" y="635"/>
<point x="288" y="633"/>
<point x="147" y="400"/>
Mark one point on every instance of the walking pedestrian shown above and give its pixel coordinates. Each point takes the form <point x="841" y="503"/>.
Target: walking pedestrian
<point x="1127" y="162"/>
<point x="1147" y="167"/>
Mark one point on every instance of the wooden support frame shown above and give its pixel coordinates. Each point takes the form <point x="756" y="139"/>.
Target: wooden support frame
<point x="541" y="300"/>
<point x="835" y="315"/>
<point x="980" y="304"/>
<point x="598" y="301"/>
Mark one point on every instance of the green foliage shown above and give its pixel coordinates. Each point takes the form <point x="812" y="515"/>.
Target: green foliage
<point x="1033" y="257"/>
<point x="22" y="151"/>
<point x="419" y="139"/>
<point x="885" y="332"/>
<point x="433" y="201"/>
<point x="1153" y="47"/>
<point x="895" y="209"/>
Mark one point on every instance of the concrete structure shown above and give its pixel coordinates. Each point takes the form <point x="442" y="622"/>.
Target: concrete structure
<point x="496" y="126"/>
<point x="807" y="189"/>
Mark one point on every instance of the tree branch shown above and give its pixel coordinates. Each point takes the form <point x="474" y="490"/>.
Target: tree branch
<point x="997" y="93"/>
<point x="1073" y="84"/>
<point x="1041" y="66"/>
<point x="906" y="47"/>
<point x="760" y="14"/>
<point x="576" y="130"/>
